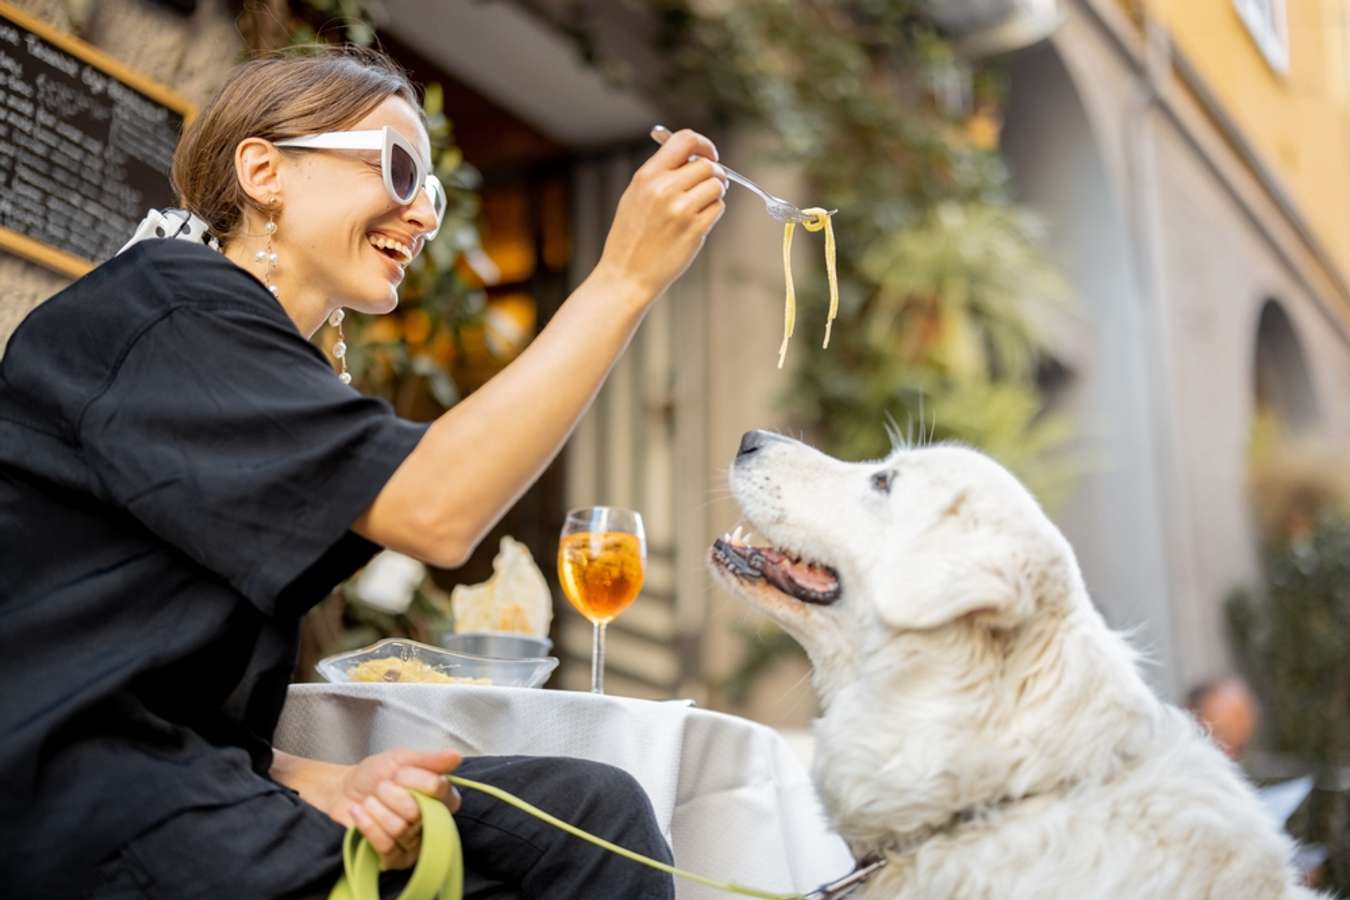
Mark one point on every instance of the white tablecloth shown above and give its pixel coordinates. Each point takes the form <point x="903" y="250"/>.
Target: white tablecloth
<point x="732" y="799"/>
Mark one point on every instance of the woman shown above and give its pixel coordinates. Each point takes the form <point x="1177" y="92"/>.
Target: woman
<point x="182" y="476"/>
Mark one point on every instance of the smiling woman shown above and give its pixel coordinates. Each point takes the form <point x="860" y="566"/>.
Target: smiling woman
<point x="183" y="475"/>
<point x="361" y="203"/>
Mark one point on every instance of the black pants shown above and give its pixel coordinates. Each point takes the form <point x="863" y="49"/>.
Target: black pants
<point x="288" y="850"/>
<point x="510" y="854"/>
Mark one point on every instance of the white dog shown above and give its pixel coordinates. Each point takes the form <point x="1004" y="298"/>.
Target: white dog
<point x="983" y="730"/>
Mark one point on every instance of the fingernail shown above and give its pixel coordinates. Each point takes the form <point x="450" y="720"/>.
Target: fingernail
<point x="357" y="812"/>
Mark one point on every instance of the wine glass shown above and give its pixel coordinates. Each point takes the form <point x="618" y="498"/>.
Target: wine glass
<point x="601" y="558"/>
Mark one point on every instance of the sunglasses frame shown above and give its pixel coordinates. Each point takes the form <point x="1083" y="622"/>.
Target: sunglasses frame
<point x="384" y="139"/>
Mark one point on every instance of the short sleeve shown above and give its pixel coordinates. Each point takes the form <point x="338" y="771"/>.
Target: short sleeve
<point x="230" y="437"/>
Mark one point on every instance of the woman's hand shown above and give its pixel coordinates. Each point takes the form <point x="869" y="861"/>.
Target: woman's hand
<point x="373" y="796"/>
<point x="664" y="215"/>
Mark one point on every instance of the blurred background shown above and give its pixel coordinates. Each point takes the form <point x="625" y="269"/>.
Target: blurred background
<point x="1106" y="240"/>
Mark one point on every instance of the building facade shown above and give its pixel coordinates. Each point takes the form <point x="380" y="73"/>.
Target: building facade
<point x="1193" y="175"/>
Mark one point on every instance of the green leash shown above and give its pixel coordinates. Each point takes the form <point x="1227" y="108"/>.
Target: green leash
<point x="439" y="872"/>
<point x="440" y="866"/>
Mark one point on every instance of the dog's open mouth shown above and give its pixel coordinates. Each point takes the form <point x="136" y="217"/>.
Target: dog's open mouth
<point x="807" y="581"/>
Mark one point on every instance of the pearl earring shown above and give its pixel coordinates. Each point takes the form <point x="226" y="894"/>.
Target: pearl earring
<point x="268" y="258"/>
<point x="340" y="348"/>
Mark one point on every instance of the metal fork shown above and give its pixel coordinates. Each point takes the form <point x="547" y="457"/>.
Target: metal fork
<point x="778" y="208"/>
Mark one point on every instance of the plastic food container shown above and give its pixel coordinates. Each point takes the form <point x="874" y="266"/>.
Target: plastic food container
<point x="397" y="660"/>
<point x="497" y="644"/>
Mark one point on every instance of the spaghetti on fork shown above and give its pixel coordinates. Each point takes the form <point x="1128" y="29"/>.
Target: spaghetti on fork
<point x="821" y="219"/>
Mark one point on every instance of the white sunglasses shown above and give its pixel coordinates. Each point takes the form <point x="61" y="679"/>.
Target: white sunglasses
<point x="405" y="175"/>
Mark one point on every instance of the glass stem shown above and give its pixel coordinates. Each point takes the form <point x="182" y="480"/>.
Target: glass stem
<point x="598" y="659"/>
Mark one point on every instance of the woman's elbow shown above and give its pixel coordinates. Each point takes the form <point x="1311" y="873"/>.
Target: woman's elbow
<point x="440" y="543"/>
<point x="454" y="557"/>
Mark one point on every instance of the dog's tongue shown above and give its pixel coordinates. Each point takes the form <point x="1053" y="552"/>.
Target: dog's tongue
<point x="813" y="578"/>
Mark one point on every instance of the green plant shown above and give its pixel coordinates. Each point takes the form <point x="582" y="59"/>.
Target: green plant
<point x="941" y="333"/>
<point x="1293" y="638"/>
<point x="938" y="268"/>
<point x="1291" y="634"/>
<point x="357" y="20"/>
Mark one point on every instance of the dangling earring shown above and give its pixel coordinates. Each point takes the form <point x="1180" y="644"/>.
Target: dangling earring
<point x="340" y="348"/>
<point x="267" y="257"/>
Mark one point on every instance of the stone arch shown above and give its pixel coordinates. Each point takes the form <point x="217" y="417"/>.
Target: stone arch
<point x="1282" y="386"/>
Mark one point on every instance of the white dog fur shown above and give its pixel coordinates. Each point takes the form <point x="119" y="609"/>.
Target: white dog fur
<point x="982" y="727"/>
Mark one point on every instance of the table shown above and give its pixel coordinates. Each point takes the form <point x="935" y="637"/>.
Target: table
<point x="729" y="794"/>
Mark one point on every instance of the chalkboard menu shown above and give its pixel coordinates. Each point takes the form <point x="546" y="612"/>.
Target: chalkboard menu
<point x="85" y="146"/>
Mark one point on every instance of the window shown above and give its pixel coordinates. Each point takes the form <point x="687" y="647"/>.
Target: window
<point x="1269" y="27"/>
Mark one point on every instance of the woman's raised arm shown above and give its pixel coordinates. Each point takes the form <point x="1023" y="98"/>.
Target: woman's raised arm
<point x="480" y="456"/>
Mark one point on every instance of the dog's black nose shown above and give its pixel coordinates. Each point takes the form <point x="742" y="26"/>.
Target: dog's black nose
<point x="752" y="441"/>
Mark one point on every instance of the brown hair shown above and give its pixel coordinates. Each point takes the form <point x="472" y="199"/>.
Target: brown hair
<point x="280" y="96"/>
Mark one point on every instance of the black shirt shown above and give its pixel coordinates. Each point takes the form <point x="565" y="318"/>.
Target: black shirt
<point x="179" y="471"/>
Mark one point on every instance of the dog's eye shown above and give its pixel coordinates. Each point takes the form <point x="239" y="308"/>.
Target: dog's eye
<point x="881" y="481"/>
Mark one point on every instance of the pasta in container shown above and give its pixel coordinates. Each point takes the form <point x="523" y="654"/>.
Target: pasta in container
<point x="402" y="661"/>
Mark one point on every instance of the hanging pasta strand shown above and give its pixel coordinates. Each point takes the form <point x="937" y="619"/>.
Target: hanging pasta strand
<point x="823" y="220"/>
<point x="790" y="308"/>
<point x="820" y="221"/>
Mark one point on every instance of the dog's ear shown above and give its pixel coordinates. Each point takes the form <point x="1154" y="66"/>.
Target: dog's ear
<point x="988" y="578"/>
